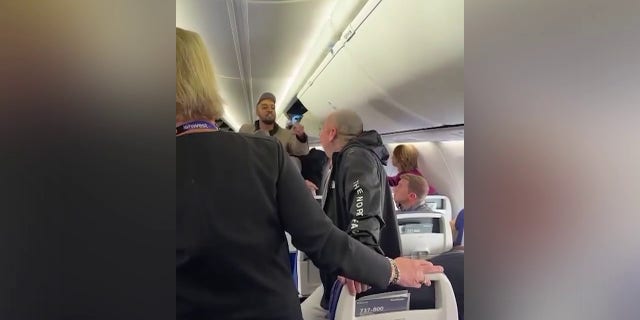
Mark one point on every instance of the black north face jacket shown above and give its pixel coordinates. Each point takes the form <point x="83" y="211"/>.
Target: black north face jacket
<point x="359" y="200"/>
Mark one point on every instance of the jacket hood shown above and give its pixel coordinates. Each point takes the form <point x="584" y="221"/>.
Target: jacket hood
<point x="371" y="140"/>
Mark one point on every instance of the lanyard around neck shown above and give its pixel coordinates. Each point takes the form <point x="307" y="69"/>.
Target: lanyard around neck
<point x="192" y="125"/>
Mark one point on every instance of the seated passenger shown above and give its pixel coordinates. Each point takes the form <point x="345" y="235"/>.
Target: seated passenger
<point x="405" y="159"/>
<point x="231" y="251"/>
<point x="457" y="226"/>
<point x="410" y="194"/>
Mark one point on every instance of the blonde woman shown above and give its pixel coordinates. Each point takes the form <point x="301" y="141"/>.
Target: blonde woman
<point x="405" y="159"/>
<point x="236" y="195"/>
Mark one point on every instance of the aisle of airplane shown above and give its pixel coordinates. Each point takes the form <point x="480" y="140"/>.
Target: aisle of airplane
<point x="397" y="64"/>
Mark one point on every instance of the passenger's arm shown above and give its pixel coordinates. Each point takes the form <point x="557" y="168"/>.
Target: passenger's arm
<point x="393" y="181"/>
<point x="247" y="128"/>
<point x="312" y="231"/>
<point x="459" y="221"/>
<point x="363" y="191"/>
<point x="297" y="147"/>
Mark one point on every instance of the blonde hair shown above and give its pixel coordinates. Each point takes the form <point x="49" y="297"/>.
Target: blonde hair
<point x="417" y="184"/>
<point x="406" y="157"/>
<point x="196" y="89"/>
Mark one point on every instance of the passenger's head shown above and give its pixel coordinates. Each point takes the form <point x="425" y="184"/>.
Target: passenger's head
<point x="197" y="95"/>
<point x="338" y="128"/>
<point x="411" y="189"/>
<point x="266" y="108"/>
<point x="405" y="157"/>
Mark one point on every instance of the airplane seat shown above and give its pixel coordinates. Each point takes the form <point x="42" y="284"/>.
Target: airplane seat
<point x="441" y="204"/>
<point x="342" y="305"/>
<point x="424" y="234"/>
<point x="293" y="258"/>
<point x="306" y="275"/>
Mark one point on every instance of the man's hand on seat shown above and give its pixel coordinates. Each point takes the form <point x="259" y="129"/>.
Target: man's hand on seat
<point x="354" y="287"/>
<point x="415" y="273"/>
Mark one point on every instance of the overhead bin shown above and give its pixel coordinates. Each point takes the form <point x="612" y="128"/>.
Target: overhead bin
<point x="399" y="64"/>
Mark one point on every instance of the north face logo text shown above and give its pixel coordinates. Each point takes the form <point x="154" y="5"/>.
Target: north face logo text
<point x="359" y="199"/>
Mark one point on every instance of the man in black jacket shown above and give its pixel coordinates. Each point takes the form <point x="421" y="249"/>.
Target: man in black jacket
<point x="356" y="196"/>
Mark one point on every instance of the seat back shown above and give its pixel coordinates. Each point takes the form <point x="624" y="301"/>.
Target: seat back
<point x="308" y="275"/>
<point x="424" y="234"/>
<point x="441" y="204"/>
<point x="293" y="260"/>
<point x="342" y="305"/>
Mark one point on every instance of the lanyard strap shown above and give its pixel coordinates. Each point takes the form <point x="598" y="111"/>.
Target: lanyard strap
<point x="198" y="124"/>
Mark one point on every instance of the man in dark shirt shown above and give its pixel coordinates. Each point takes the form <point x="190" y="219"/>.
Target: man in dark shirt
<point x="312" y="167"/>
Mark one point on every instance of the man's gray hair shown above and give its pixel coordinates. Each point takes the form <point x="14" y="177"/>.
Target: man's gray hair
<point x="348" y="123"/>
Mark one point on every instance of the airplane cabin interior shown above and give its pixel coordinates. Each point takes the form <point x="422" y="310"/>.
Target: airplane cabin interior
<point x="397" y="64"/>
